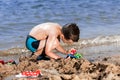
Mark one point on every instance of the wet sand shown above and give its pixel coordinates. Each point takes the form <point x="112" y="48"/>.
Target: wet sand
<point x="107" y="68"/>
<point x="99" y="62"/>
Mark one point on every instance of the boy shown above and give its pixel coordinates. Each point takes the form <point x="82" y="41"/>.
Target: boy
<point x="46" y="37"/>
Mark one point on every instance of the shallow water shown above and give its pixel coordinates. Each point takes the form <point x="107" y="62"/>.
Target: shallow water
<point x="93" y="53"/>
<point x="94" y="17"/>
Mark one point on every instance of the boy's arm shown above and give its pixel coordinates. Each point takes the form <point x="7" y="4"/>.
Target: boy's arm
<point x="50" y="46"/>
<point x="60" y="48"/>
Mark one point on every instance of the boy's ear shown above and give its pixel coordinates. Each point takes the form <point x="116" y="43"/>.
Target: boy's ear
<point x="62" y="36"/>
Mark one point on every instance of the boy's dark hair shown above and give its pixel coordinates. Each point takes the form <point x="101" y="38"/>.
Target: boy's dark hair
<point x="71" y="31"/>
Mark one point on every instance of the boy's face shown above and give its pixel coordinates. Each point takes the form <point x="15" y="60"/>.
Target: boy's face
<point x="68" y="41"/>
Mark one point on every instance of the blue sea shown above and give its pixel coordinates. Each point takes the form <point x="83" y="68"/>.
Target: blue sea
<point x="94" y="17"/>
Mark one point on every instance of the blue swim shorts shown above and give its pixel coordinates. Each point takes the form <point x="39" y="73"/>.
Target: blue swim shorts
<point x="32" y="44"/>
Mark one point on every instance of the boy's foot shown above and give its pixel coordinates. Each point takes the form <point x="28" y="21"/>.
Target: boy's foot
<point x="40" y="57"/>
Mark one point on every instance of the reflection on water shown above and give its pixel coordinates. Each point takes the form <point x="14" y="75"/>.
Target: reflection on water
<point x="95" y="17"/>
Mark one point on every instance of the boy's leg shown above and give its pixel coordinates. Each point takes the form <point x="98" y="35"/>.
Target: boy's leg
<point x="43" y="56"/>
<point x="38" y="52"/>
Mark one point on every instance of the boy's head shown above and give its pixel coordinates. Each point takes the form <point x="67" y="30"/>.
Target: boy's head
<point x="71" y="32"/>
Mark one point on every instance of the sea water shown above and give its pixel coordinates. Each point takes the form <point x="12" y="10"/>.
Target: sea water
<point x="94" y="17"/>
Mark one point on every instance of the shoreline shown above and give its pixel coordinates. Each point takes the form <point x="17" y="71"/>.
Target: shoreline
<point x="82" y="43"/>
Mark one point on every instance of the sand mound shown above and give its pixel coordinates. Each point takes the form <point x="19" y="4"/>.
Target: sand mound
<point x="63" y="69"/>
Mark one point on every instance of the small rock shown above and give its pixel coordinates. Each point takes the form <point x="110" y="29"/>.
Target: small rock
<point x="55" y="77"/>
<point x="66" y="77"/>
<point x="76" y="77"/>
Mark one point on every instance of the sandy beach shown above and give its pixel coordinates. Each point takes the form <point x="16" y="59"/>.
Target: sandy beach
<point x="100" y="64"/>
<point x="107" y="68"/>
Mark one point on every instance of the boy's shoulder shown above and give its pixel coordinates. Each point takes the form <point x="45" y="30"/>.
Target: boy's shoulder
<point x="52" y="24"/>
<point x="49" y="23"/>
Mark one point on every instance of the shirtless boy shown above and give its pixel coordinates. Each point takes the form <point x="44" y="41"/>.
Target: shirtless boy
<point x="46" y="37"/>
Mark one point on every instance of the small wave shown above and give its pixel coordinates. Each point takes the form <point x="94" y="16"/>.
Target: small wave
<point x="100" y="40"/>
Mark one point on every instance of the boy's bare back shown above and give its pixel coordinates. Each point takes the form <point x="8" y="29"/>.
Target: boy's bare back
<point x="44" y="30"/>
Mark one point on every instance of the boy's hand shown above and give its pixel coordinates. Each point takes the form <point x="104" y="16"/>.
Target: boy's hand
<point x="73" y="51"/>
